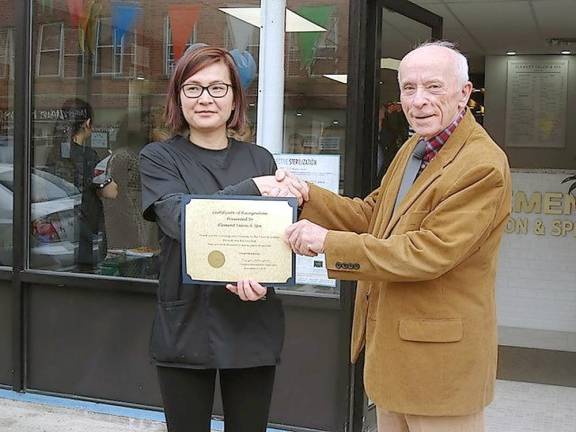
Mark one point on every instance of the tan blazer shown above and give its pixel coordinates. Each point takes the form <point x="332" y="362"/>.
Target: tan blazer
<point x="425" y="307"/>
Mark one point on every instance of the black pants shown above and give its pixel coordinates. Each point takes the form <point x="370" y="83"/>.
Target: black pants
<point x="188" y="395"/>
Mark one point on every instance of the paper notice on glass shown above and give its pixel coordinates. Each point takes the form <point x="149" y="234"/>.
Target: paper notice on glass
<point x="537" y="92"/>
<point x="324" y="171"/>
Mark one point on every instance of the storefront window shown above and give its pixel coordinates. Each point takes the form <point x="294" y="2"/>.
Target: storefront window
<point x="7" y="21"/>
<point x="101" y="75"/>
<point x="102" y="69"/>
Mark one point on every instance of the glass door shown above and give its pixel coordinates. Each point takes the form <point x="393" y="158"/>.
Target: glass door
<point x="389" y="30"/>
<point x="401" y="26"/>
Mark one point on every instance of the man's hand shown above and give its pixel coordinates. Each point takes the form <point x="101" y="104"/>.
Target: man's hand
<point x="306" y="238"/>
<point x="283" y="183"/>
<point x="248" y="290"/>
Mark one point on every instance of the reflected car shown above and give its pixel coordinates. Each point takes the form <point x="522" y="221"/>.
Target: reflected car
<point x="102" y="171"/>
<point x="53" y="232"/>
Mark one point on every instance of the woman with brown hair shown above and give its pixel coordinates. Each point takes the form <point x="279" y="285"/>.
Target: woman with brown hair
<point x="203" y="330"/>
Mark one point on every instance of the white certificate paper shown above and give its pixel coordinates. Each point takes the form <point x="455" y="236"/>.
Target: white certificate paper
<point x="227" y="239"/>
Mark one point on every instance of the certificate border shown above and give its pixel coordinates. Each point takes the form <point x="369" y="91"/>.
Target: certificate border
<point x="186" y="279"/>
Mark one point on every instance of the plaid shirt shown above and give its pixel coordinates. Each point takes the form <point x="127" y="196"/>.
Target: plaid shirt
<point x="434" y="144"/>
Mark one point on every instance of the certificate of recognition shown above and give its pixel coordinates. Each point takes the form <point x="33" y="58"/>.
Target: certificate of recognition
<point x="229" y="238"/>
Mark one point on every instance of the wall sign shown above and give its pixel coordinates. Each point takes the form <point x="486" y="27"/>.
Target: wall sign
<point x="537" y="91"/>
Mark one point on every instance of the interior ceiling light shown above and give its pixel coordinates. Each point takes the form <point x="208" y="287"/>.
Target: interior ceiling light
<point x="294" y="23"/>
<point x="389" y="63"/>
<point x="342" y="78"/>
<point x="566" y="52"/>
<point x="511" y="53"/>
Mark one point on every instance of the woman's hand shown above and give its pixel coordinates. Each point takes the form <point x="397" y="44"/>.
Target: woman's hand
<point x="284" y="176"/>
<point x="248" y="290"/>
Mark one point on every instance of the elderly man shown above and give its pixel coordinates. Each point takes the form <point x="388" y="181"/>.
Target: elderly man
<point x="424" y="247"/>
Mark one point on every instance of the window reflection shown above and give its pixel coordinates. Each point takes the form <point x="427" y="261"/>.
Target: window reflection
<point x="393" y="130"/>
<point x="315" y="105"/>
<point x="132" y="242"/>
<point x="101" y="71"/>
<point x="90" y="185"/>
<point x="6" y="130"/>
<point x="113" y="59"/>
<point x="6" y="53"/>
<point x="50" y="50"/>
<point x="72" y="236"/>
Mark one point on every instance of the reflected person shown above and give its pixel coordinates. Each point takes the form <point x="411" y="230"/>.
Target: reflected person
<point x="392" y="132"/>
<point x="204" y="330"/>
<point x="424" y="249"/>
<point x="75" y="161"/>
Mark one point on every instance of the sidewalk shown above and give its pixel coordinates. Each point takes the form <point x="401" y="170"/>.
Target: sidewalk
<point x="518" y="407"/>
<point x="28" y="412"/>
<point x="16" y="416"/>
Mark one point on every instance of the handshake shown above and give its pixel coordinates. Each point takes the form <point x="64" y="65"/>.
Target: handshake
<point x="283" y="184"/>
<point x="304" y="237"/>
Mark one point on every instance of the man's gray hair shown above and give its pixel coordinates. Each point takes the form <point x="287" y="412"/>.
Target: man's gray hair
<point x="461" y="61"/>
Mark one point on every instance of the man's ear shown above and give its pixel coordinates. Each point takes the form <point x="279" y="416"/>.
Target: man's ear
<point x="465" y="95"/>
<point x="88" y="123"/>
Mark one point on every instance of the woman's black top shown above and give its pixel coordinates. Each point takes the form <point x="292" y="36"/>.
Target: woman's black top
<point x="205" y="326"/>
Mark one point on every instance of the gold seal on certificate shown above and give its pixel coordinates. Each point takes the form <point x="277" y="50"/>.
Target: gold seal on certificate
<point x="229" y="238"/>
<point x="216" y="259"/>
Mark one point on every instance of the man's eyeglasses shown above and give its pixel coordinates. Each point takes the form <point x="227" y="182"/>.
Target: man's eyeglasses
<point x="194" y="91"/>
